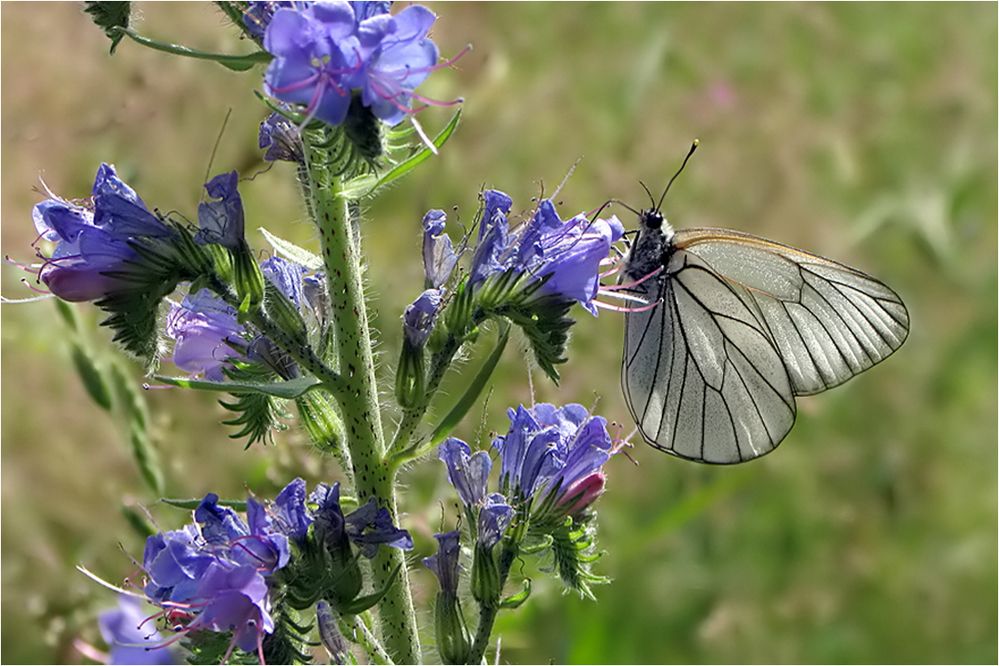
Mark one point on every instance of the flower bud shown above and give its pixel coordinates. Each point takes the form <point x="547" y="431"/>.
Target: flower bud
<point x="581" y="494"/>
<point x="329" y="633"/>
<point x="453" y="641"/>
<point x="452" y="634"/>
<point x="485" y="577"/>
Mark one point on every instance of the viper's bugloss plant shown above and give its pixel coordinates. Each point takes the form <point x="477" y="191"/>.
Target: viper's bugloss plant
<point x="287" y="332"/>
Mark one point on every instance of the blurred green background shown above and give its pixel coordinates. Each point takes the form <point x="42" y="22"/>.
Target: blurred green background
<point x="865" y="132"/>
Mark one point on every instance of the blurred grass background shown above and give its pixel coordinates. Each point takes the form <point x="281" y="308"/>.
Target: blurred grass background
<point x="865" y="132"/>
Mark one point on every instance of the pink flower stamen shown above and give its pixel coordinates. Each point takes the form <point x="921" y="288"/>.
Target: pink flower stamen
<point x="298" y="85"/>
<point x="635" y="283"/>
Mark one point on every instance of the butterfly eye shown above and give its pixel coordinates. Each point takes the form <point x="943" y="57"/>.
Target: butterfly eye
<point x="652" y="219"/>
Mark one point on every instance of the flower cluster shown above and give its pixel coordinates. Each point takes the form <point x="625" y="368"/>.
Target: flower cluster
<point x="92" y="256"/>
<point x="326" y="52"/>
<point x="555" y="455"/>
<point x="566" y="254"/>
<point x="551" y="461"/>
<point x="218" y="574"/>
<point x="208" y="335"/>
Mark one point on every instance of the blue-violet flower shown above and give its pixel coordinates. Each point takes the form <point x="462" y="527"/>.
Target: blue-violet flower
<point x="205" y="330"/>
<point x="92" y="256"/>
<point x="326" y="50"/>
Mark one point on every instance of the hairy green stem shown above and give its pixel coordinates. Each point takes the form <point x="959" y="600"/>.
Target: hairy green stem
<point x="355" y="628"/>
<point x="359" y="406"/>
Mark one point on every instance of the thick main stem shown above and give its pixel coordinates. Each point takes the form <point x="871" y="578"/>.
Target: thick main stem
<point x="359" y="403"/>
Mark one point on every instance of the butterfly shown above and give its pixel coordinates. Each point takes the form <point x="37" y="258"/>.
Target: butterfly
<point x="737" y="327"/>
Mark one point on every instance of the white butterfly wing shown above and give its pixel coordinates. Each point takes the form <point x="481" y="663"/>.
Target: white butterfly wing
<point x="701" y="376"/>
<point x="829" y="321"/>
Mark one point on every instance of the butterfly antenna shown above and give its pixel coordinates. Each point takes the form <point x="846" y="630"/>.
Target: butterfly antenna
<point x="690" y="152"/>
<point x="645" y="187"/>
<point x="215" y="148"/>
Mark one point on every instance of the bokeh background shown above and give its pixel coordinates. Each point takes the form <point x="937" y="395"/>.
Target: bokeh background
<point x="864" y="132"/>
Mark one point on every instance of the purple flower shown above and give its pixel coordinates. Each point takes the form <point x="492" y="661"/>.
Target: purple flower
<point x="92" y="257"/>
<point x="569" y="257"/>
<point x="444" y="563"/>
<point x="439" y="257"/>
<point x="549" y="449"/>
<point x="400" y="57"/>
<point x="256" y="544"/>
<point x="215" y="575"/>
<point x="494" y="517"/>
<point x="326" y="50"/>
<point x="204" y="329"/>
<point x="368" y="526"/>
<point x="419" y="316"/>
<point x="281" y="140"/>
<point x="582" y="494"/>
<point x="469" y="474"/>
<point x="174" y="563"/>
<point x="237" y="601"/>
<point x="288" y="513"/>
<point x="129" y="643"/>
<point x="221" y="220"/>
<point x="287" y="276"/>
<point x="493" y="236"/>
<point x="566" y="254"/>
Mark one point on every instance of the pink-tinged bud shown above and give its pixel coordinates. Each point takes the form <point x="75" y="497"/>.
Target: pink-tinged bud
<point x="582" y="494"/>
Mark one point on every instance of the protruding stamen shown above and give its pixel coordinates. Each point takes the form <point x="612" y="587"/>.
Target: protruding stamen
<point x="629" y="285"/>
<point x="623" y="297"/>
<point x="618" y="308"/>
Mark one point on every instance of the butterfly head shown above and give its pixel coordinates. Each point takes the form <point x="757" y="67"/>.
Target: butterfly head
<point x="654" y="222"/>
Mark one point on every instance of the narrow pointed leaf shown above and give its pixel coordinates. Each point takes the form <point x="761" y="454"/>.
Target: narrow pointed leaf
<point x="471" y="394"/>
<point x="237" y="63"/>
<point x="288" y="390"/>
<point x="92" y="377"/>
<point x="293" y="252"/>
<point x="516" y="599"/>
<point x="361" y="604"/>
<point x="365" y="186"/>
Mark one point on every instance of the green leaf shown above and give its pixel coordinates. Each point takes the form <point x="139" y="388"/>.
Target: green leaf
<point x="237" y="63"/>
<point x="361" y="604"/>
<point x="191" y="504"/>
<point x="365" y="186"/>
<point x="288" y="390"/>
<point x="474" y="389"/>
<point x="257" y="415"/>
<point x="293" y="252"/>
<point x="517" y="598"/>
<point x="92" y="376"/>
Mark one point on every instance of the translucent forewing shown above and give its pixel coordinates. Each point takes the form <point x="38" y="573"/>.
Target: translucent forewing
<point x="701" y="375"/>
<point x="829" y="321"/>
